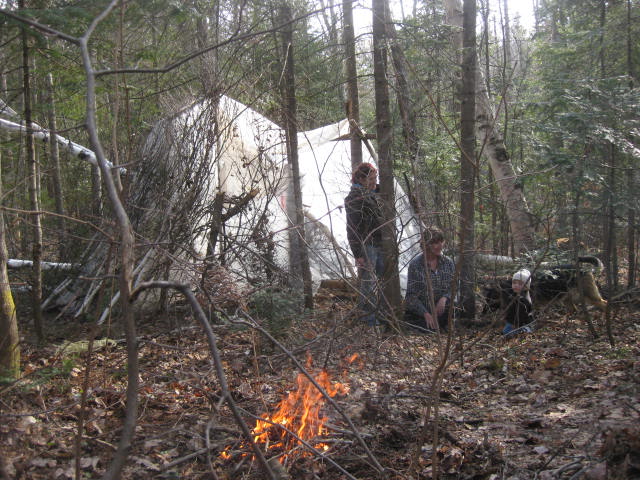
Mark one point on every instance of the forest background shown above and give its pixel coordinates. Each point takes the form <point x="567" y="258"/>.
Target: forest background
<point x="559" y="99"/>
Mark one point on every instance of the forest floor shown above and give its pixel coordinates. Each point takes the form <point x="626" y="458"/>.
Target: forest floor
<point x="554" y="403"/>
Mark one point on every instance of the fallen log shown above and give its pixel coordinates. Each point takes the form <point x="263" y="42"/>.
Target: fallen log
<point x="14" y="264"/>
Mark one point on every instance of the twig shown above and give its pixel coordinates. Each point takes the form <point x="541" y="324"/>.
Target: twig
<point x="578" y="474"/>
<point x="343" y="431"/>
<point x="569" y="466"/>
<point x="209" y="447"/>
<point x="102" y="442"/>
<point x="41" y="412"/>
<point x="186" y="458"/>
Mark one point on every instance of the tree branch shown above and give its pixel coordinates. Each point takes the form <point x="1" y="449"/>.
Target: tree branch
<point x="39" y="26"/>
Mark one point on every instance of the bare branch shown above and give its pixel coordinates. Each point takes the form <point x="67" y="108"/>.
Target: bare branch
<point x="38" y="26"/>
<point x="213" y="348"/>
<point x="202" y="51"/>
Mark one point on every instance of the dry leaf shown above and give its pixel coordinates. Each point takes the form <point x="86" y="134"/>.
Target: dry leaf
<point x="552" y="363"/>
<point x="597" y="472"/>
<point x="147" y="463"/>
<point x="25" y="423"/>
<point x="541" y="376"/>
<point x="245" y="389"/>
<point x="149" y="444"/>
<point x="67" y="473"/>
<point x="89" y="462"/>
<point x="43" y="462"/>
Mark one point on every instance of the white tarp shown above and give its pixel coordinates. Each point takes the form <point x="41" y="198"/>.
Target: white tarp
<point x="255" y="156"/>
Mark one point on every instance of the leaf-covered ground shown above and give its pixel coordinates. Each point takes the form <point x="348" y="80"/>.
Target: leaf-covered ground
<point x="551" y="404"/>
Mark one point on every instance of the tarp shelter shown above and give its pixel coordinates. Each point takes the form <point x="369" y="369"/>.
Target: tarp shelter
<point x="255" y="157"/>
<point x="226" y="150"/>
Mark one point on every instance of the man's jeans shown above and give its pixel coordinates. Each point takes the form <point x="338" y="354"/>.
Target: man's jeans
<point x="370" y="288"/>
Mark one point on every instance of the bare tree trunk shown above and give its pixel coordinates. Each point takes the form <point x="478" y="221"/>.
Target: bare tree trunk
<point x="507" y="66"/>
<point x="127" y="259"/>
<point x="10" y="342"/>
<point x="632" y="175"/>
<point x="34" y="193"/>
<point x="351" y="71"/>
<point x="55" y="168"/>
<point x="391" y="278"/>
<point x="496" y="232"/>
<point x="631" y="229"/>
<point x="485" y="6"/>
<point x="611" y="251"/>
<point x="611" y="237"/>
<point x="535" y="7"/>
<point x="611" y="242"/>
<point x="468" y="160"/>
<point x="208" y="33"/>
<point x="403" y="88"/>
<point x="301" y="255"/>
<point x="127" y="111"/>
<point x="576" y="231"/>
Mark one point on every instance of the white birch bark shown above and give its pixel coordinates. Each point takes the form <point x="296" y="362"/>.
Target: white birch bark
<point x="55" y="166"/>
<point x="15" y="264"/>
<point x="510" y="188"/>
<point x="43" y="134"/>
<point x="495" y="152"/>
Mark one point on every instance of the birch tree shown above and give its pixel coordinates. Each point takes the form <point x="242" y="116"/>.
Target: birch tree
<point x="56" y="175"/>
<point x="495" y="151"/>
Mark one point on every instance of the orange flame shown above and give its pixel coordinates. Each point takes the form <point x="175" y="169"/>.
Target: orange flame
<point x="225" y="453"/>
<point x="299" y="412"/>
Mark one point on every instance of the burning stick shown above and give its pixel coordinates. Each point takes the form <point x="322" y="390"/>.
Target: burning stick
<point x="299" y="411"/>
<point x="374" y="461"/>
<point x="309" y="447"/>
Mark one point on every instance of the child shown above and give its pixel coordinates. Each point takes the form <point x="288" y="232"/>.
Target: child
<point x="519" y="315"/>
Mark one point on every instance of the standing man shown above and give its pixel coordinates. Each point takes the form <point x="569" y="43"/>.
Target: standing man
<point x="428" y="301"/>
<point x="364" y="222"/>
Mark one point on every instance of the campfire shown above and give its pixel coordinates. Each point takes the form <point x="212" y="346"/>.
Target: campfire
<point x="299" y="412"/>
<point x="298" y="418"/>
